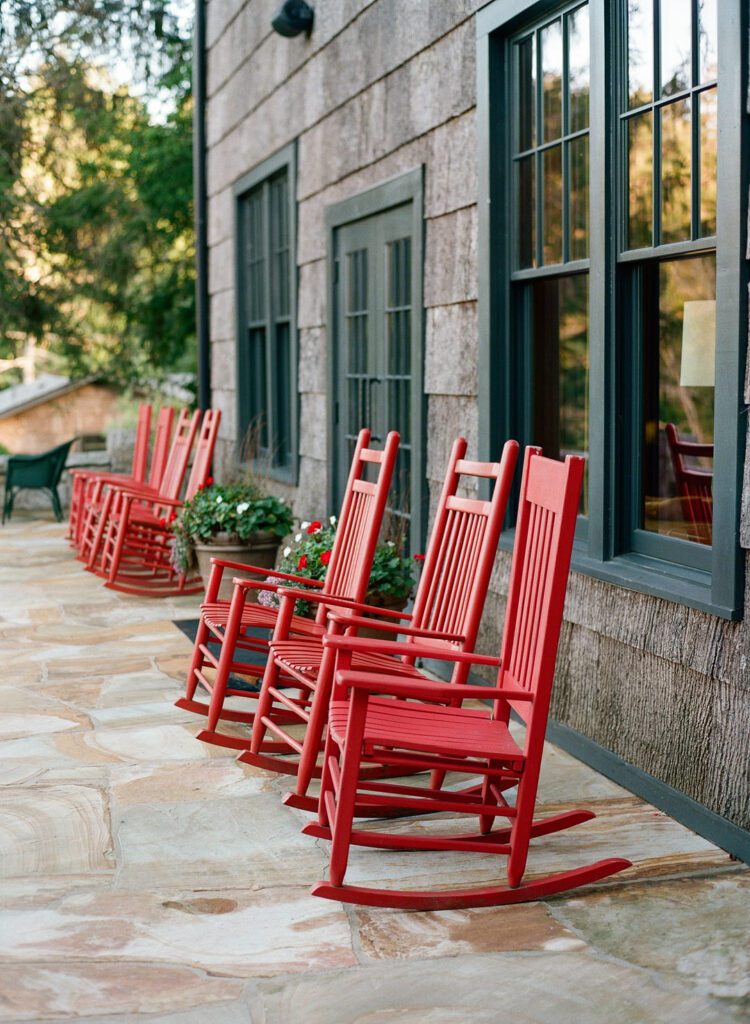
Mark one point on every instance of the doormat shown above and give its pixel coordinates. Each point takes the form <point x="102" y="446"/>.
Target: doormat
<point x="190" y="628"/>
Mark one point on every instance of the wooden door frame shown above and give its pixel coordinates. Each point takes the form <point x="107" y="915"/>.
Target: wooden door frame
<point x="406" y="188"/>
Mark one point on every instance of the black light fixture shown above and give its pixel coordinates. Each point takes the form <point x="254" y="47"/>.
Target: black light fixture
<point x="293" y="17"/>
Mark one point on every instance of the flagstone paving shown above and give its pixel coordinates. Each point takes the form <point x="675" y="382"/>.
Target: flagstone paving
<point x="145" y="876"/>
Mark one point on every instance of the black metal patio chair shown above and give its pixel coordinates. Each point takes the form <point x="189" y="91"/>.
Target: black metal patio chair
<point x="36" y="472"/>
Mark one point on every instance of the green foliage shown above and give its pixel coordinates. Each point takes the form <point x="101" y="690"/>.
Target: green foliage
<point x="392" y="574"/>
<point x="96" y="218"/>
<point x="238" y="510"/>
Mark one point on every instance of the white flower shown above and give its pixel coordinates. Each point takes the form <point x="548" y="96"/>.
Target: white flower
<point x="219" y="499"/>
<point x="243" y="507"/>
<point x="287" y="552"/>
<point x="390" y="544"/>
<point x="304" y="526"/>
<point x="298" y="537"/>
<point x="332" y="520"/>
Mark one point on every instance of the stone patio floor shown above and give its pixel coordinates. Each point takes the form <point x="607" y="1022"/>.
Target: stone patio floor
<point x="149" y="877"/>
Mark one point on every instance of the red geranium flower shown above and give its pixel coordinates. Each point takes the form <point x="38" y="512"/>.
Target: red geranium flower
<point x="199" y="487"/>
<point x="302" y="564"/>
<point x="418" y="558"/>
<point x="325" y="557"/>
<point x="314" y="526"/>
<point x="172" y="517"/>
<point x="162" y="522"/>
<point x="209" y="481"/>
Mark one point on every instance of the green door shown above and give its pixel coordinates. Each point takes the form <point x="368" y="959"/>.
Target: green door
<point x="377" y="344"/>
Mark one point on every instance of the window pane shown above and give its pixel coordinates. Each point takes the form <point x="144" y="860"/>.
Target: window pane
<point x="552" y="67"/>
<point x="578" y="68"/>
<point x="561" y="368"/>
<point x="707" y="45"/>
<point x="679" y="350"/>
<point x="676" y="139"/>
<point x="640" y="180"/>
<point x="398" y="308"/>
<point x="676" y="32"/>
<point x="282" y="426"/>
<point x="256" y="253"/>
<point x="356" y="311"/>
<point x="526" y="113"/>
<point x="552" y="171"/>
<point x="526" y="211"/>
<point x="256" y="390"/>
<point x="707" y="102"/>
<point x="640" y="52"/>
<point x="578" y="155"/>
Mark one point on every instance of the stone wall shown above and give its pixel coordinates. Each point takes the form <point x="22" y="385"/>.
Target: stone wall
<point x="382" y="87"/>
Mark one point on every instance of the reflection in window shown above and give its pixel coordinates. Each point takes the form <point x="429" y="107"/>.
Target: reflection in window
<point x="679" y="338"/>
<point x="640" y="52"/>
<point x="676" y="145"/>
<point x="640" y="180"/>
<point x="675" y="46"/>
<point x="551" y="165"/>
<point x="561" y="368"/>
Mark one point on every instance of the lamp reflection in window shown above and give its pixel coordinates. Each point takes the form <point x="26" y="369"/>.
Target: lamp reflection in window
<point x="679" y="358"/>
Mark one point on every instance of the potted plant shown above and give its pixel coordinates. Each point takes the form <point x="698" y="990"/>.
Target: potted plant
<point x="234" y="521"/>
<point x="391" y="576"/>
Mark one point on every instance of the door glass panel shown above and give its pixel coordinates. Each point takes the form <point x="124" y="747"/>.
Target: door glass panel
<point x="561" y="368"/>
<point x="256" y="390"/>
<point x="640" y="180"/>
<point x="552" y="69"/>
<point x="679" y="341"/>
<point x="640" y="52"/>
<point x="256" y="264"/>
<point x="578" y="69"/>
<point x="578" y="177"/>
<point x="398" y="372"/>
<point x="676" y="48"/>
<point x="356" y="332"/>
<point x="708" y="139"/>
<point x="676" y="147"/>
<point x="552" y="164"/>
<point x="707" y="41"/>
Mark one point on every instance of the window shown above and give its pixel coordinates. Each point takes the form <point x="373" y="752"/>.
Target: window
<point x="266" y="286"/>
<point x="612" y="277"/>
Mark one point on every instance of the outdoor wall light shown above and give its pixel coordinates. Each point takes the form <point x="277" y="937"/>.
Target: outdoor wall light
<point x="293" y="17"/>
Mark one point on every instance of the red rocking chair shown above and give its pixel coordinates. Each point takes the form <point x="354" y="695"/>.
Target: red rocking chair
<point x="136" y="551"/>
<point x="694" y="486"/>
<point x="386" y="722"/>
<point x="106" y="495"/>
<point x="229" y="624"/>
<point x="92" y="485"/>
<point x="82" y="478"/>
<point x="447" y="611"/>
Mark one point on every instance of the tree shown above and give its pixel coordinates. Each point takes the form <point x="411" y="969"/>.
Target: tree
<point x="96" y="244"/>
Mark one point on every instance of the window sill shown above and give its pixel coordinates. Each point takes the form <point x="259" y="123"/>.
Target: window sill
<point x="680" y="584"/>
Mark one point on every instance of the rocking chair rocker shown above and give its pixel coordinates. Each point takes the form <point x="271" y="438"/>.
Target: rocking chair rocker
<point x="386" y="722"/>
<point x="228" y="624"/>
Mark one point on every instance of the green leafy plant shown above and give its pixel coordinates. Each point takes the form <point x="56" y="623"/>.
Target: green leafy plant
<point x="392" y="574"/>
<point x="235" y="510"/>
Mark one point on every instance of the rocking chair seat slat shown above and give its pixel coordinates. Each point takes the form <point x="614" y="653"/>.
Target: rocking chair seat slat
<point x="305" y="657"/>
<point x="256" y="616"/>
<point x="433" y="728"/>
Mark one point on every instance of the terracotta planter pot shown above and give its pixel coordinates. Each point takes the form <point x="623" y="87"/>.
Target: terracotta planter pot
<point x="260" y="549"/>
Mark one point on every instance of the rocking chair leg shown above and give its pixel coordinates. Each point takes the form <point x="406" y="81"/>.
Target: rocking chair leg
<point x="197" y="662"/>
<point x="316" y="725"/>
<point x="342" y="825"/>
<point x="234" y="623"/>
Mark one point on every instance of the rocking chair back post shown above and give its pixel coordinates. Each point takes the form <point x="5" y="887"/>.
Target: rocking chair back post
<point x="204" y="452"/>
<point x="179" y="455"/>
<point x="545" y="530"/>
<point x="162" y="435"/>
<point x="140" y="449"/>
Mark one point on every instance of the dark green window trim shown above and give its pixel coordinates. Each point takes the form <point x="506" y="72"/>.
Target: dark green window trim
<point x="718" y="587"/>
<point x="406" y="188"/>
<point x="282" y="399"/>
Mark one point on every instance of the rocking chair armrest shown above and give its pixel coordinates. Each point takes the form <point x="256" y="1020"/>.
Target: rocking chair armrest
<point x="376" y="683"/>
<point x="341" y="602"/>
<point x="394" y="627"/>
<point x="363" y="645"/>
<point x="225" y="564"/>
